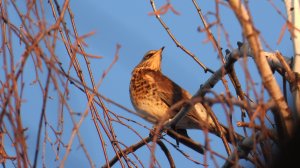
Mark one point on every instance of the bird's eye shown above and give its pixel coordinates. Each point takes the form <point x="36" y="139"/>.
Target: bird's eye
<point x="148" y="56"/>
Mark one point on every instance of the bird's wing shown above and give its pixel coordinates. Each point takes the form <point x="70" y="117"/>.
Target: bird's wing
<point x="168" y="91"/>
<point x="171" y="93"/>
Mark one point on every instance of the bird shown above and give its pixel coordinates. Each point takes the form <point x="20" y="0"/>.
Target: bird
<point x="152" y="94"/>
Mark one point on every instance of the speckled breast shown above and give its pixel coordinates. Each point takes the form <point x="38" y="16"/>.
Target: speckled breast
<point x="145" y="98"/>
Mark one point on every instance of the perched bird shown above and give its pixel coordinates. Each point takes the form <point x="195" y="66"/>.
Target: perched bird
<point x="152" y="94"/>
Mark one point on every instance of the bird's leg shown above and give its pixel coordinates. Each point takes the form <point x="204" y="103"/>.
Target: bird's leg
<point x="181" y="132"/>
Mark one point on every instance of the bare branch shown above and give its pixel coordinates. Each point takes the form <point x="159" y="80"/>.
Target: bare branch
<point x="266" y="74"/>
<point x="174" y="39"/>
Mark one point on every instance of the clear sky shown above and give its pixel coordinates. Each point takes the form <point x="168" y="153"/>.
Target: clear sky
<point x="127" y="23"/>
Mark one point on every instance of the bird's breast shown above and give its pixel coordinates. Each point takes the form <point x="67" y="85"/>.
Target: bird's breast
<point x="145" y="97"/>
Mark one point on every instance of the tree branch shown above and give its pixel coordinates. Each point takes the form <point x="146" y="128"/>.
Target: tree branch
<point x="265" y="71"/>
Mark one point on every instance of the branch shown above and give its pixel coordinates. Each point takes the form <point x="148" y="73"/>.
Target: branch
<point x="243" y="150"/>
<point x="175" y="40"/>
<point x="293" y="12"/>
<point x="268" y="79"/>
<point x="231" y="58"/>
<point x="127" y="151"/>
<point x="186" y="141"/>
<point x="182" y="139"/>
<point x="167" y="153"/>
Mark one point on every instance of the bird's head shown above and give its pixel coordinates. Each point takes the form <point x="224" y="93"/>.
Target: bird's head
<point x="151" y="60"/>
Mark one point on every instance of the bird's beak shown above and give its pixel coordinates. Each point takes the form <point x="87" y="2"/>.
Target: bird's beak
<point x="161" y="50"/>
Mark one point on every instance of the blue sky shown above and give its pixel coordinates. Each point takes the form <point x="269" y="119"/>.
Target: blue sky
<point x="127" y="23"/>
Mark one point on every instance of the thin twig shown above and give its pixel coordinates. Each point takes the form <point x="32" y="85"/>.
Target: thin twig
<point x="175" y="40"/>
<point x="167" y="153"/>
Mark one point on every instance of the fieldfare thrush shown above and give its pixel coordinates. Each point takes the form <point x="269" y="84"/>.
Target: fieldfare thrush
<point x="152" y="94"/>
